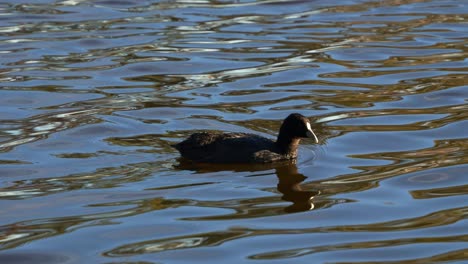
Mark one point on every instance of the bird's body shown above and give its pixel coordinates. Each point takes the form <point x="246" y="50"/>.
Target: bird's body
<point x="229" y="148"/>
<point x="212" y="147"/>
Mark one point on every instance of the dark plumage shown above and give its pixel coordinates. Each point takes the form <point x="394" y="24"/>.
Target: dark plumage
<point x="247" y="148"/>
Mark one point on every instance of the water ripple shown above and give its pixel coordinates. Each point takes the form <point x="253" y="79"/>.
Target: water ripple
<point x="93" y="94"/>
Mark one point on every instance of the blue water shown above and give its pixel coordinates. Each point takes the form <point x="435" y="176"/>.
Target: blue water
<point x="93" y="93"/>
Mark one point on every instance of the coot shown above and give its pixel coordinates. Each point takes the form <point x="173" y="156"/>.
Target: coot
<point x="212" y="147"/>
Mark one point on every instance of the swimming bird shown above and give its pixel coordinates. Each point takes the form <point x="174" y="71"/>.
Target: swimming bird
<point x="213" y="147"/>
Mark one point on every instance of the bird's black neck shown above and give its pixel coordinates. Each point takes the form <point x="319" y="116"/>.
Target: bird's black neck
<point x="287" y="145"/>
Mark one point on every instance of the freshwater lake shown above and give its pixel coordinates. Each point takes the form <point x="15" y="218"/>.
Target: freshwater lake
<point x="93" y="93"/>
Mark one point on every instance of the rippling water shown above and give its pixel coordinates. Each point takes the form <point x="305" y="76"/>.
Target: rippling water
<point x="94" y="92"/>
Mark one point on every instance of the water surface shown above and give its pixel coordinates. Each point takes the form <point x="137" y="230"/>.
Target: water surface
<point x="93" y="93"/>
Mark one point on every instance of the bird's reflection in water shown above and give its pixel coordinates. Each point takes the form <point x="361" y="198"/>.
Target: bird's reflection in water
<point x="289" y="184"/>
<point x="289" y="180"/>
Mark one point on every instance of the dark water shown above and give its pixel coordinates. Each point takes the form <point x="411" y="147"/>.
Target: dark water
<point x="94" y="92"/>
